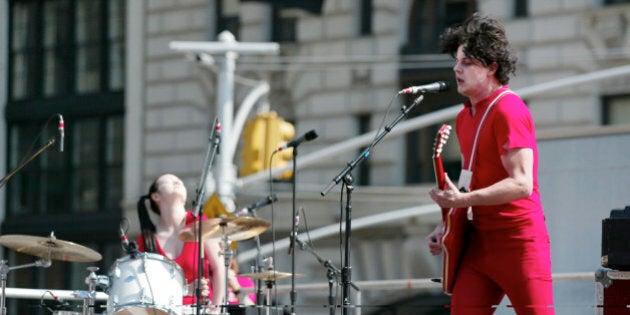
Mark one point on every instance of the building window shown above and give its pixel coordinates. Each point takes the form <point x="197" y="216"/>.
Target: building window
<point x="284" y="23"/>
<point x="616" y="110"/>
<point x="227" y="19"/>
<point x="363" y="172"/>
<point x="520" y="8"/>
<point x="66" y="59"/>
<point x="365" y="17"/>
<point x="610" y="2"/>
<point x="427" y="21"/>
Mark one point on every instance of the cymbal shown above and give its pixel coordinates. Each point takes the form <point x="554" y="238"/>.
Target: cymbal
<point x="269" y="275"/>
<point x="49" y="248"/>
<point x="235" y="229"/>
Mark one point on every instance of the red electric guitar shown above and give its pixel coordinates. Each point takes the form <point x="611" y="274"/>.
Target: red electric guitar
<point x="454" y="220"/>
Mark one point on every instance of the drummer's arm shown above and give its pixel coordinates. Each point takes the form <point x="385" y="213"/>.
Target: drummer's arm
<point x="217" y="268"/>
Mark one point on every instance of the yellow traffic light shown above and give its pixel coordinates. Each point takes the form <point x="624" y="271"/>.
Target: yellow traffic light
<point x="262" y="136"/>
<point x="253" y="148"/>
<point x="279" y="132"/>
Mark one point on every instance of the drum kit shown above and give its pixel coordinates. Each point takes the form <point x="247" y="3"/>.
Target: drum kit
<point x="138" y="283"/>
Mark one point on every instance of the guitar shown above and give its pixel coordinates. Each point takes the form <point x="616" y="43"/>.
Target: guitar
<point x="455" y="220"/>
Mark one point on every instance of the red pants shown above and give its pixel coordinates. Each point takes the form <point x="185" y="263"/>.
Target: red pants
<point x="497" y="264"/>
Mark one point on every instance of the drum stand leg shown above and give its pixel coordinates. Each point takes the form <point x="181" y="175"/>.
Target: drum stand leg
<point x="269" y="287"/>
<point x="227" y="255"/>
<point x="4" y="271"/>
<point x="88" y="301"/>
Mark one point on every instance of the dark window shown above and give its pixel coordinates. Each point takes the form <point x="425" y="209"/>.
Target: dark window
<point x="365" y="17"/>
<point x="283" y="27"/>
<point x="609" y="2"/>
<point x="227" y="19"/>
<point x="616" y="110"/>
<point x="66" y="59"/>
<point x="428" y="19"/>
<point x="520" y="8"/>
<point x="363" y="172"/>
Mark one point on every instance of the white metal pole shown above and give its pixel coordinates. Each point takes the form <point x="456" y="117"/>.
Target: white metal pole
<point x="224" y="169"/>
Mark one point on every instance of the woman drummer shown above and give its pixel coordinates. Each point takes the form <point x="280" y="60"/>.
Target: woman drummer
<point x="167" y="198"/>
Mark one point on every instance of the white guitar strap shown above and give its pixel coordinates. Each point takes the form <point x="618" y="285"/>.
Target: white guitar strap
<point x="465" y="177"/>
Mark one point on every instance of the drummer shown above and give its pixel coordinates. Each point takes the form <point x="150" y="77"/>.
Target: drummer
<point x="167" y="198"/>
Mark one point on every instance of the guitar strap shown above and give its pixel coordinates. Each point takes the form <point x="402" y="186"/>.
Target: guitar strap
<point x="465" y="177"/>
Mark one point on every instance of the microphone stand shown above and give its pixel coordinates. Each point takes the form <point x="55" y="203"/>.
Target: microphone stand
<point x="211" y="153"/>
<point x="4" y="180"/>
<point x="332" y="273"/>
<point x="346" y="274"/>
<point x="260" y="298"/>
<point x="292" y="238"/>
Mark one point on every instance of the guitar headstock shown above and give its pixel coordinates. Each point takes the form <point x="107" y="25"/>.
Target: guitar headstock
<point x="440" y="140"/>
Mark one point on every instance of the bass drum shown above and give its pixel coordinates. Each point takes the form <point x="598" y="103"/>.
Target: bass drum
<point x="145" y="284"/>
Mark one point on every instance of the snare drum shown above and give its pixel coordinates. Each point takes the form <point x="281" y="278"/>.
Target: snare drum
<point x="145" y="283"/>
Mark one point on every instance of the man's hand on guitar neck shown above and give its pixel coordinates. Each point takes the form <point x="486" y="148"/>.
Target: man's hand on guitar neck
<point x="434" y="240"/>
<point x="451" y="197"/>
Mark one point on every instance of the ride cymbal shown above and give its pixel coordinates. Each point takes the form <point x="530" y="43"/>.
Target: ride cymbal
<point x="235" y="229"/>
<point x="49" y="248"/>
<point x="269" y="275"/>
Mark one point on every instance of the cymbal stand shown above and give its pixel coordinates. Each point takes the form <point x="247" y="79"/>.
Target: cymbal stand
<point x="88" y="299"/>
<point x="227" y="255"/>
<point x="269" y="282"/>
<point x="4" y="271"/>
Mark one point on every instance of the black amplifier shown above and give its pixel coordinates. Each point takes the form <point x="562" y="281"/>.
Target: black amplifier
<point x="616" y="240"/>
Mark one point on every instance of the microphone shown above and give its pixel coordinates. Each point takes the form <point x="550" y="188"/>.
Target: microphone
<point x="124" y="239"/>
<point x="217" y="134"/>
<point x="295" y="142"/>
<point x="434" y="87"/>
<point x="294" y="236"/>
<point x="260" y="203"/>
<point x="61" y="133"/>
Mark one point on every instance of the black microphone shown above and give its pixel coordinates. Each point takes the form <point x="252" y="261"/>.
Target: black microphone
<point x="434" y="87"/>
<point x="295" y="142"/>
<point x="61" y="133"/>
<point x="260" y="203"/>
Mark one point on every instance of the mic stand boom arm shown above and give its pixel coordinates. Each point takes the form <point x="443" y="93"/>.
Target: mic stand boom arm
<point x="366" y="153"/>
<point x="4" y="180"/>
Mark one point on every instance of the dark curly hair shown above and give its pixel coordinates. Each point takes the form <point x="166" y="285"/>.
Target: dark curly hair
<point x="484" y="39"/>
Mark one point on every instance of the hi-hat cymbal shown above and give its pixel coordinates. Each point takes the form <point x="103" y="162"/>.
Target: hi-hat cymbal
<point x="235" y="229"/>
<point x="269" y="275"/>
<point x="49" y="248"/>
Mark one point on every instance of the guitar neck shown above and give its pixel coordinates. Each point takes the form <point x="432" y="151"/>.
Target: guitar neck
<point x="438" y="169"/>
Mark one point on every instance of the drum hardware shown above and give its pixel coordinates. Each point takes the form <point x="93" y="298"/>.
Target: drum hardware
<point x="269" y="276"/>
<point x="228" y="230"/>
<point x="4" y="271"/>
<point x="50" y="248"/>
<point x="46" y="248"/>
<point x="235" y="229"/>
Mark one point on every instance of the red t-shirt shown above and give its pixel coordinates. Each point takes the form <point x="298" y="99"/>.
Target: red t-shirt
<point x="509" y="125"/>
<point x="187" y="260"/>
